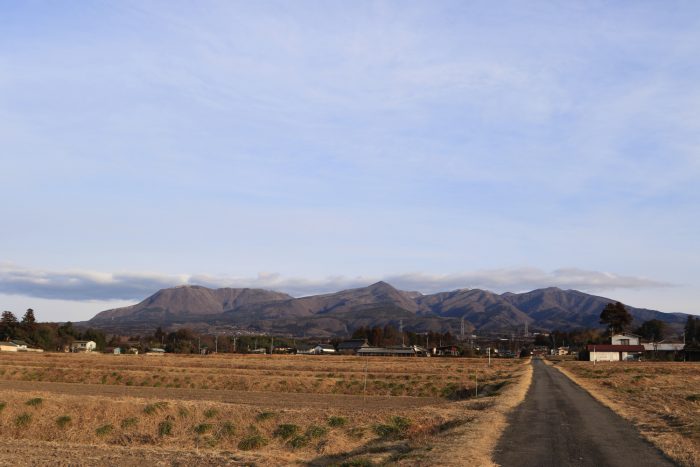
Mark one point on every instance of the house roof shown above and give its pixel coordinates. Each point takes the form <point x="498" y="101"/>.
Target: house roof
<point x="18" y="342"/>
<point x="326" y="346"/>
<point x="11" y="344"/>
<point x="352" y="344"/>
<point x="614" y="348"/>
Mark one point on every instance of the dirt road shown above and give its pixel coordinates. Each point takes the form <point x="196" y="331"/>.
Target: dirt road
<point x="265" y="399"/>
<point x="559" y="424"/>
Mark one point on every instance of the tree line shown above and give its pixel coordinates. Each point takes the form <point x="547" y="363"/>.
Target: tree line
<point x="47" y="336"/>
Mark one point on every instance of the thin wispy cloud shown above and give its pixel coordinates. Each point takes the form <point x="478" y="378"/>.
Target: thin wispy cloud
<point x="91" y="285"/>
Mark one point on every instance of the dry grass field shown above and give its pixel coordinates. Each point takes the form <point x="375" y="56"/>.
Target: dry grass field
<point x="235" y="409"/>
<point x="662" y="399"/>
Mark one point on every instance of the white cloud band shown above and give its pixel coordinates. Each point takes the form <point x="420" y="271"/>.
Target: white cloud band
<point x="90" y="285"/>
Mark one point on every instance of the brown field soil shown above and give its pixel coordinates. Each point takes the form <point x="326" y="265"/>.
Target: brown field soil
<point x="662" y="399"/>
<point x="232" y="409"/>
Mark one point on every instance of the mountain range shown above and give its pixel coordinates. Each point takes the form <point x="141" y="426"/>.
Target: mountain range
<point x="339" y="313"/>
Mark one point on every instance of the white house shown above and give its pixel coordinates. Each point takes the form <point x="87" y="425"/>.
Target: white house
<point x="21" y="345"/>
<point x="622" y="347"/>
<point x="323" y="349"/>
<point x="625" y="339"/>
<point x="83" y="346"/>
<point x="8" y="347"/>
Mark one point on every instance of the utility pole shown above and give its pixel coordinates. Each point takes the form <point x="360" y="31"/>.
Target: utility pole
<point x="403" y="344"/>
<point x="462" y="330"/>
<point x="489" y="352"/>
<point x="216" y="344"/>
<point x="272" y="343"/>
<point x="199" y="345"/>
<point x="234" y="344"/>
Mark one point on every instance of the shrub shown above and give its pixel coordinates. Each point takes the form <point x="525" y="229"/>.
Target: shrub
<point x="35" y="402"/>
<point x="315" y="431"/>
<point x="150" y="409"/>
<point x="202" y="428"/>
<point x="210" y="413"/>
<point x="63" y="420"/>
<point x="104" y="430"/>
<point x="264" y="416"/>
<point x="336" y="422"/>
<point x="298" y="442"/>
<point x="23" y="419"/>
<point x="286" y="430"/>
<point x="165" y="428"/>
<point x="226" y="429"/>
<point x="397" y="428"/>
<point x="2" y="406"/>
<point x="693" y="397"/>
<point x="252" y="442"/>
<point x="129" y="422"/>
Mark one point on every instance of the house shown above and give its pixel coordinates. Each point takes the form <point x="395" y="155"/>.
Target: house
<point x="156" y="351"/>
<point x="8" y="347"/>
<point x="625" y="339"/>
<point x="83" y="346"/>
<point x="322" y="349"/>
<point x="562" y="351"/>
<point x="350" y="347"/>
<point x="614" y="352"/>
<point x="447" y="351"/>
<point x="21" y="345"/>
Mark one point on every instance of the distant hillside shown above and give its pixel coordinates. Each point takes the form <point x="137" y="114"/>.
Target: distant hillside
<point x="379" y="304"/>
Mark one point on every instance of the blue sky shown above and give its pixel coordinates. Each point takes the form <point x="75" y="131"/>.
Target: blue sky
<point x="311" y="146"/>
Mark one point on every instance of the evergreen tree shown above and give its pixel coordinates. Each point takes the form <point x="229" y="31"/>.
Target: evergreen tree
<point x="28" y="320"/>
<point x="8" y="325"/>
<point x="692" y="333"/>
<point x="616" y="317"/>
<point x="652" y="330"/>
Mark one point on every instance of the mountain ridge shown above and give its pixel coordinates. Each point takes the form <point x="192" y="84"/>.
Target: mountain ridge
<point x="338" y="313"/>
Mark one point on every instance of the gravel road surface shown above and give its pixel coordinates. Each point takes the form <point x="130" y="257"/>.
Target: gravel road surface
<point x="560" y="424"/>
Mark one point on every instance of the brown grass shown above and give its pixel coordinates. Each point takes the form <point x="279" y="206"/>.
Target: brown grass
<point x="662" y="399"/>
<point x="213" y="427"/>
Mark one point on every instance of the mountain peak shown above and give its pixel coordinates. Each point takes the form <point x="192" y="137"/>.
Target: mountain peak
<point x="381" y="285"/>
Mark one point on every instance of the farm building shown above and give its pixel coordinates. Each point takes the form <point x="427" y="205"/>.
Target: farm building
<point x="446" y="351"/>
<point x="663" y="350"/>
<point x="399" y="351"/>
<point x="8" y="347"/>
<point x="350" y="347"/>
<point x="21" y="345"/>
<point x="83" y="346"/>
<point x="321" y="349"/>
<point x="614" y="353"/>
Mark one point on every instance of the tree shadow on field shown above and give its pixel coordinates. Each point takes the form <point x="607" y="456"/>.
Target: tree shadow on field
<point x="383" y="451"/>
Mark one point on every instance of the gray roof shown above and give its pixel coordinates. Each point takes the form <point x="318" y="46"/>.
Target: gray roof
<point x="352" y="344"/>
